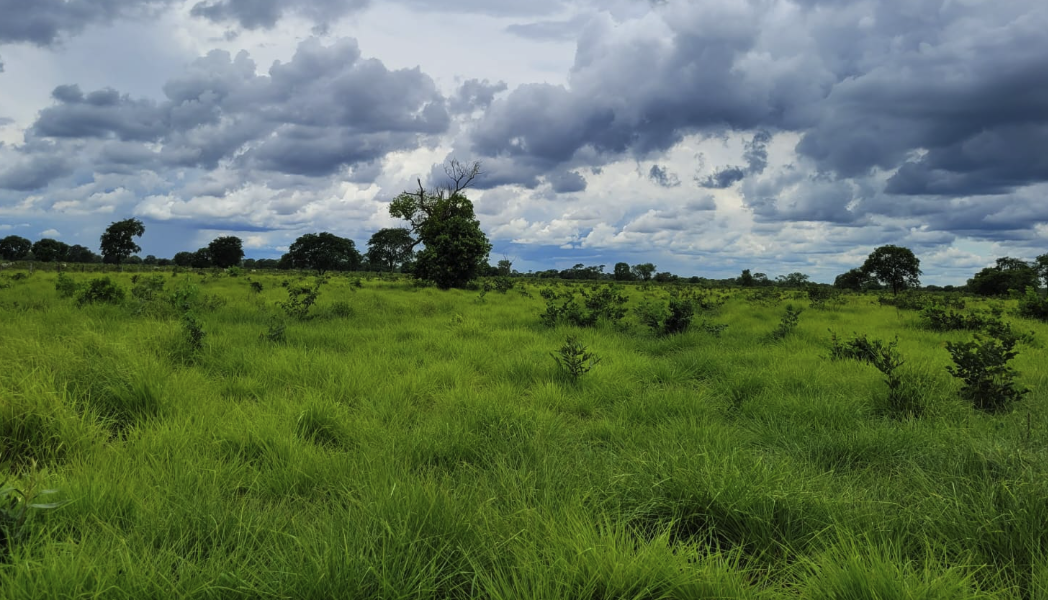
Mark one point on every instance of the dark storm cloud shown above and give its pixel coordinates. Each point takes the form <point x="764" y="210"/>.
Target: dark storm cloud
<point x="30" y="172"/>
<point x="756" y="154"/>
<point x="722" y="179"/>
<point x="663" y="177"/>
<point x="325" y="109"/>
<point x="264" y="14"/>
<point x="475" y="94"/>
<point x="42" y="22"/>
<point x="567" y="182"/>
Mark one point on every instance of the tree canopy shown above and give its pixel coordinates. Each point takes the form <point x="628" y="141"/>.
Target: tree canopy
<point x="1008" y="274"/>
<point x="455" y="250"/>
<point x="644" y="271"/>
<point x="894" y="266"/>
<point x="118" y="244"/>
<point x="14" y="247"/>
<point x="323" y="252"/>
<point x="226" y="251"/>
<point x="49" y="250"/>
<point x="390" y="248"/>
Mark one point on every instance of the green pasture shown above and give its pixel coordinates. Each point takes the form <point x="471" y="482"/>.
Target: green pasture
<point x="406" y="442"/>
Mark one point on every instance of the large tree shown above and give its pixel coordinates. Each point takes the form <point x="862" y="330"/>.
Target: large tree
<point x="226" y="251"/>
<point x="323" y="252"/>
<point x="14" y="247"/>
<point x="1008" y="274"/>
<point x="623" y="272"/>
<point x="118" y="244"/>
<point x="81" y="254"/>
<point x="894" y="266"/>
<point x="854" y="279"/>
<point x="644" y="271"/>
<point x="183" y="259"/>
<point x="390" y="248"/>
<point x="455" y="250"/>
<point x="49" y="250"/>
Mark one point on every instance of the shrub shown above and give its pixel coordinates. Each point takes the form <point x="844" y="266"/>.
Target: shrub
<point x="276" y="331"/>
<point x="888" y="361"/>
<point x="788" y="323"/>
<point x="100" y="289"/>
<point x="66" y="286"/>
<point x="676" y="318"/>
<point x="15" y="507"/>
<point x="858" y="348"/>
<point x="1033" y="306"/>
<point x="256" y="287"/>
<point x="192" y="332"/>
<point x="574" y="359"/>
<point x="606" y="303"/>
<point x="147" y="288"/>
<point x="820" y="297"/>
<point x="982" y="364"/>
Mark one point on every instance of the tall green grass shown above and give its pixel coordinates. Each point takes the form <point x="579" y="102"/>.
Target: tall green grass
<point x="403" y="442"/>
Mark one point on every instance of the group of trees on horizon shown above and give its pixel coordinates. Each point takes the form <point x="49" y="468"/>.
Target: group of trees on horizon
<point x="444" y="244"/>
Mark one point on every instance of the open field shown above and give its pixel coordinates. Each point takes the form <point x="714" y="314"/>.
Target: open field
<point x="405" y="442"/>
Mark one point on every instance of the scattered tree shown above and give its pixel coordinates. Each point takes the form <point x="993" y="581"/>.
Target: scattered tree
<point x="894" y="266"/>
<point x="623" y="272"/>
<point x="1008" y="274"/>
<point x="1042" y="267"/>
<point x="49" y="250"/>
<point x="505" y="267"/>
<point x="226" y="251"/>
<point x="644" y="271"/>
<point x="855" y="279"/>
<point x="14" y="247"/>
<point x="455" y="250"/>
<point x="82" y="254"/>
<point x="390" y="249"/>
<point x="201" y="259"/>
<point x="323" y="252"/>
<point x="794" y="280"/>
<point x="746" y="278"/>
<point x="118" y="244"/>
<point x="183" y="259"/>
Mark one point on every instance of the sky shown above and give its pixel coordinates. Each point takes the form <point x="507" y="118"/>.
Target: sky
<point x="703" y="136"/>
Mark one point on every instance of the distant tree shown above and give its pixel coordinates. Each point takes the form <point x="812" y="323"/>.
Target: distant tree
<point x="1042" y="268"/>
<point x="746" y="278"/>
<point x="149" y="260"/>
<point x="14" y="247"/>
<point x="665" y="277"/>
<point x="1008" y="274"/>
<point x="163" y="262"/>
<point x="201" y="259"/>
<point x="644" y="271"/>
<point x="622" y="272"/>
<point x="454" y="249"/>
<point x="117" y="243"/>
<point x="389" y="249"/>
<point x="855" y="279"/>
<point x="505" y="267"/>
<point x="760" y="279"/>
<point x="81" y="254"/>
<point x="226" y="251"/>
<point x="183" y="259"/>
<point x="792" y="280"/>
<point x="134" y="259"/>
<point x="49" y="250"/>
<point x="323" y="252"/>
<point x="267" y="263"/>
<point x="894" y="266"/>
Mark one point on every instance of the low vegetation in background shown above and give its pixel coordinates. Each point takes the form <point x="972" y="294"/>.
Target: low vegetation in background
<point x="236" y="434"/>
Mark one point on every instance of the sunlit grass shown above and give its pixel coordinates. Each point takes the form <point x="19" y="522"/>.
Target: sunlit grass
<point x="403" y="442"/>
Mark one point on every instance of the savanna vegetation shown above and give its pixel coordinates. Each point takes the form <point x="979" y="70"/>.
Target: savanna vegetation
<point x="236" y="434"/>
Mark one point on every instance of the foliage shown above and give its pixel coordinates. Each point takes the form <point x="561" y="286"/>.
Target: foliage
<point x="821" y="297"/>
<point x="390" y="248"/>
<point x="856" y="280"/>
<point x="604" y="303"/>
<point x="48" y="250"/>
<point x="276" y="331"/>
<point x="226" y="251"/>
<point x="982" y="363"/>
<point x="81" y="254"/>
<point x="668" y="320"/>
<point x="745" y="279"/>
<point x="147" y="288"/>
<point x="117" y="243"/>
<point x="643" y="271"/>
<point x="15" y="508"/>
<point x="1033" y="306"/>
<point x="101" y="290"/>
<point x="894" y="266"/>
<point x="858" y="348"/>
<point x="793" y="280"/>
<point x="192" y="332"/>
<point x="256" y="286"/>
<point x="300" y="298"/>
<point x="887" y="360"/>
<point x="324" y="252"/>
<point x="575" y="359"/>
<point x="14" y="247"/>
<point x="66" y="286"/>
<point x="788" y="322"/>
<point x="623" y="272"/>
<point x="1007" y="275"/>
<point x="454" y="247"/>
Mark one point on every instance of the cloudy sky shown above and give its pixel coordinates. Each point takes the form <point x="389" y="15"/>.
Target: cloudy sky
<point x="706" y="136"/>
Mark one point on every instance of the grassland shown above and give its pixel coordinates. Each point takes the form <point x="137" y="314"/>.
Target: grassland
<point x="405" y="442"/>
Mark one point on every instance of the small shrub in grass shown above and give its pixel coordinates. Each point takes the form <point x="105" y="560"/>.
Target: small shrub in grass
<point x="887" y="360"/>
<point x="19" y="277"/>
<point x="858" y="348"/>
<point x="788" y="322"/>
<point x="604" y="303"/>
<point x="192" y="332"/>
<point x="1033" y="306"/>
<point x="100" y="289"/>
<point x="575" y="359"/>
<point x="65" y="286"/>
<point x="256" y="287"/>
<point x="714" y="329"/>
<point x="502" y="284"/>
<point x="341" y="309"/>
<point x="15" y="507"/>
<point x="676" y="318"/>
<point x="146" y="288"/>
<point x="300" y="298"/>
<point x="982" y="363"/>
<point x="276" y="331"/>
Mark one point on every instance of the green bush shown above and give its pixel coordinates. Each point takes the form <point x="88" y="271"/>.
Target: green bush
<point x="982" y="363"/>
<point x="100" y="289"/>
<point x="66" y="286"/>
<point x="574" y="359"/>
<point x="1033" y="306"/>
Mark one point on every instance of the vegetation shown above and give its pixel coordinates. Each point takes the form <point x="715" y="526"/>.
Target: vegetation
<point x="118" y="243"/>
<point x="893" y="266"/>
<point x="402" y="441"/>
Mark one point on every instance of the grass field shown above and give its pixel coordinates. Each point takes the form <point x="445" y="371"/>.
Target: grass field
<point x="405" y="442"/>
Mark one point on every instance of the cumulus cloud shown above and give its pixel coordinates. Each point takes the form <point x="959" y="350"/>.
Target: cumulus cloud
<point x="567" y="182"/>
<point x="662" y="177"/>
